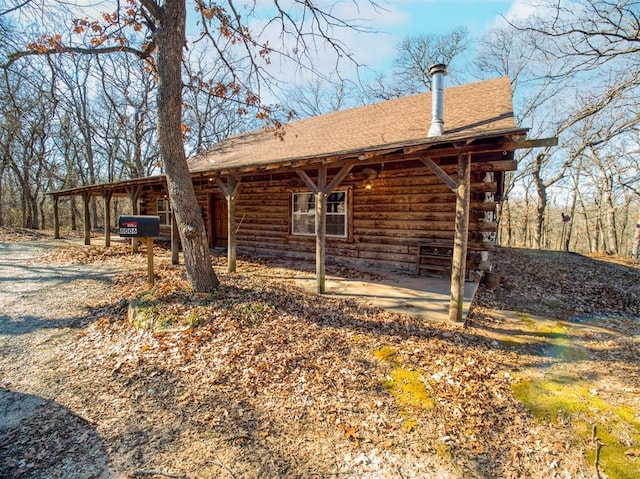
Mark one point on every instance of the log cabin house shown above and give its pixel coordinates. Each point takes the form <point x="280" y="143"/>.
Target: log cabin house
<point x="409" y="184"/>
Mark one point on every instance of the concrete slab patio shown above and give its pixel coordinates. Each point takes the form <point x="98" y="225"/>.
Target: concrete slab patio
<point x="425" y="297"/>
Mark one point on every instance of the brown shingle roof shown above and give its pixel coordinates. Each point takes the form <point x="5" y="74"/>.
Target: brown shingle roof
<point x="472" y="110"/>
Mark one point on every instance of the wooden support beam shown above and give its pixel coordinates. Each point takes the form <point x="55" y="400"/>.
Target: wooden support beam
<point x="436" y="170"/>
<point x="536" y="143"/>
<point x="437" y="151"/>
<point x="175" y="240"/>
<point x="150" y="278"/>
<point x="106" y="196"/>
<point x="344" y="171"/>
<point x="86" y="199"/>
<point x="230" y="192"/>
<point x="321" y="228"/>
<point x="133" y="192"/>
<point x="461" y="233"/>
<point x="322" y="190"/>
<point x="307" y="181"/>
<point x="56" y="218"/>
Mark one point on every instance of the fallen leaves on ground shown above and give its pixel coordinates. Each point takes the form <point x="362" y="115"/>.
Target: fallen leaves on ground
<point x="284" y="383"/>
<point x="575" y="322"/>
<point x="262" y="379"/>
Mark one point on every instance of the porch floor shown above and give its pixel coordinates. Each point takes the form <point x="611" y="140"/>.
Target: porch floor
<point x="425" y="297"/>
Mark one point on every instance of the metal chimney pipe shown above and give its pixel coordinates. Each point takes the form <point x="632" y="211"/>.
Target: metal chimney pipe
<point x="437" y="73"/>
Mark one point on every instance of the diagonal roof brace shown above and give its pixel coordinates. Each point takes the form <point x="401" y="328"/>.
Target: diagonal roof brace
<point x="440" y="173"/>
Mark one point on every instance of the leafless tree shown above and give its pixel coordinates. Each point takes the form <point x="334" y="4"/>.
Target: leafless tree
<point x="209" y="118"/>
<point x="319" y="96"/>
<point x="415" y="54"/>
<point x="155" y="32"/>
<point x="126" y="134"/>
<point x="26" y="119"/>
<point x="574" y="68"/>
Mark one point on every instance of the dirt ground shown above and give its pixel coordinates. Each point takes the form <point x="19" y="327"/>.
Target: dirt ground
<point x="264" y="380"/>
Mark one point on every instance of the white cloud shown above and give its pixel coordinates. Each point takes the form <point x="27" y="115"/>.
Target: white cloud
<point x="521" y="9"/>
<point x="368" y="43"/>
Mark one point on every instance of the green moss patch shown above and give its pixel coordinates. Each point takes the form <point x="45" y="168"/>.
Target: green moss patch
<point x="151" y="315"/>
<point x="406" y="386"/>
<point x="555" y="397"/>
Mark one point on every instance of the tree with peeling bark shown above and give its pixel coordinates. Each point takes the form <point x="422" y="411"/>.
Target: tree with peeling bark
<point x="155" y="32"/>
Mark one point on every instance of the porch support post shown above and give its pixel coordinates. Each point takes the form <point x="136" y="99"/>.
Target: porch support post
<point x="86" y="199"/>
<point x="134" y="194"/>
<point x="175" y="240"/>
<point x="56" y="218"/>
<point x="321" y="228"/>
<point x="458" y="266"/>
<point x="106" y="196"/>
<point x="230" y="191"/>
<point x="322" y="192"/>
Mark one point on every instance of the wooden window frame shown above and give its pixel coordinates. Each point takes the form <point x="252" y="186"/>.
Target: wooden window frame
<point x="160" y="212"/>
<point x="347" y="214"/>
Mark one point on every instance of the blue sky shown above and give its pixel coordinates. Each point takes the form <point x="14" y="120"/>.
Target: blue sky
<point x="414" y="17"/>
<point x="441" y="16"/>
<point x="395" y="20"/>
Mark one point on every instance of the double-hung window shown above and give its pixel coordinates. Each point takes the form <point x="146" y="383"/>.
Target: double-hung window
<point x="303" y="215"/>
<point x="164" y="211"/>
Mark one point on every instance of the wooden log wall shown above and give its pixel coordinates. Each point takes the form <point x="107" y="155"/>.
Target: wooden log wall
<point x="406" y="204"/>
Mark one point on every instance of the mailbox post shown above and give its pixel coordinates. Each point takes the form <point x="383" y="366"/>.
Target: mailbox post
<point x="145" y="227"/>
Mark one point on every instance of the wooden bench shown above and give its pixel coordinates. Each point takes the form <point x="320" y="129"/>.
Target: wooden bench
<point x="434" y="256"/>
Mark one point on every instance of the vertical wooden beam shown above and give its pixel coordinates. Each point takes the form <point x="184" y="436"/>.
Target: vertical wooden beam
<point x="86" y="199"/>
<point x="231" y="226"/>
<point x="321" y="228"/>
<point x="150" y="278"/>
<point x="56" y="218"/>
<point x="230" y="191"/>
<point x="322" y="191"/>
<point x="463" y="196"/>
<point x="175" y="240"/>
<point x="106" y="196"/>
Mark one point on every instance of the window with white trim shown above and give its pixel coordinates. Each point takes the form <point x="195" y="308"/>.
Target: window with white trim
<point x="164" y="211"/>
<point x="303" y="214"/>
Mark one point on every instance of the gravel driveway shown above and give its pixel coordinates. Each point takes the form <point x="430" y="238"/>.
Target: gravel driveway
<point x="40" y="309"/>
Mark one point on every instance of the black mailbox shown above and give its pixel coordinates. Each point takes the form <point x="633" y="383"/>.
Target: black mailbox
<point x="139" y="226"/>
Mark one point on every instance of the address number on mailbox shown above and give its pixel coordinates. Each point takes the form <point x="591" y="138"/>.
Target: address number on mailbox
<point x="139" y="226"/>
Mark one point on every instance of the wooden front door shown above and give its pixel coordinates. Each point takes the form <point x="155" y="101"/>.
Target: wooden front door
<point x="218" y="227"/>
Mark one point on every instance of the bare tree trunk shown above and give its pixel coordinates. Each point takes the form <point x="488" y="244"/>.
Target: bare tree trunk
<point x="525" y="221"/>
<point x="636" y="240"/>
<point x="541" y="207"/>
<point x="170" y="40"/>
<point x="2" y="168"/>
<point x="35" y="224"/>
<point x="598" y="238"/>
<point x="74" y="209"/>
<point x="571" y="222"/>
<point x="505" y="224"/>
<point x="41" y="209"/>
<point x="587" y="223"/>
<point x="610" y="217"/>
